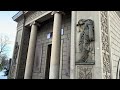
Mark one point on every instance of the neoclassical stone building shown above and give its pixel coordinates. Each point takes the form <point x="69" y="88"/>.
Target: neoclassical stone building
<point x="66" y="45"/>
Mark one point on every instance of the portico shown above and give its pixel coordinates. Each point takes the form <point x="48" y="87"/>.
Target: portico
<point x="56" y="42"/>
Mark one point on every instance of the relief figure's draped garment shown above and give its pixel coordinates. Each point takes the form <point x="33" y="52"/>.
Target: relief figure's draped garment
<point x="86" y="37"/>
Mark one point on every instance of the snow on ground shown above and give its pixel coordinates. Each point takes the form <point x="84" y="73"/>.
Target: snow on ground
<point x="2" y="75"/>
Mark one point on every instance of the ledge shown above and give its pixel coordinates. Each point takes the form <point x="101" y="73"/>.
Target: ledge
<point x="88" y="63"/>
<point x="41" y="18"/>
<point x="17" y="15"/>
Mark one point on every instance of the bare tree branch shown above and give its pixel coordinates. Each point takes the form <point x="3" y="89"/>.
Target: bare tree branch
<point x="4" y="41"/>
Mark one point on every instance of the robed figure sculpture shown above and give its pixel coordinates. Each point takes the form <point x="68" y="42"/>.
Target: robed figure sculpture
<point x="86" y="29"/>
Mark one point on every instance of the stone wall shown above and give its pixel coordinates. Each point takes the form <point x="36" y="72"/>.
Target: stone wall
<point x="15" y="53"/>
<point x="42" y="44"/>
<point x="114" y="27"/>
<point x="20" y="69"/>
<point x="90" y="71"/>
<point x="19" y="56"/>
<point x="105" y="45"/>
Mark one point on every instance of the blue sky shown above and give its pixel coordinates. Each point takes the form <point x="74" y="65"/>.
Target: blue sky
<point x="8" y="28"/>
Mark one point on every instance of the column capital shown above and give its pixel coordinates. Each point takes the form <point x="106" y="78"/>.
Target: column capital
<point x="35" y="23"/>
<point x="53" y="12"/>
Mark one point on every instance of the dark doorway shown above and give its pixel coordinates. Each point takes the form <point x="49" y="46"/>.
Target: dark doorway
<point x="48" y="61"/>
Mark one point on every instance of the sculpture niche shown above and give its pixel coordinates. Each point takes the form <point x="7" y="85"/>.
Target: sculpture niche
<point x="86" y="32"/>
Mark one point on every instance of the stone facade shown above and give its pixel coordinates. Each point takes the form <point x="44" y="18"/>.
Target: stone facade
<point x="42" y="44"/>
<point x="105" y="45"/>
<point x="20" y="68"/>
<point x="94" y="69"/>
<point x="114" y="27"/>
<point x="18" y="40"/>
<point x="105" y="51"/>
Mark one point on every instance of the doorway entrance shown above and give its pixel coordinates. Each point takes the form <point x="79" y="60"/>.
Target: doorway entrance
<point x="47" y="69"/>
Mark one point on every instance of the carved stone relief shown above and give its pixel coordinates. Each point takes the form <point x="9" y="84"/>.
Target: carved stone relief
<point x="105" y="45"/>
<point x="84" y="72"/>
<point x="86" y="41"/>
<point x="15" y="52"/>
<point x="13" y="64"/>
<point x="23" y="55"/>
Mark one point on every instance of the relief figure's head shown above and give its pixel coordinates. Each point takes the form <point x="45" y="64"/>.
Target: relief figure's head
<point x="81" y="23"/>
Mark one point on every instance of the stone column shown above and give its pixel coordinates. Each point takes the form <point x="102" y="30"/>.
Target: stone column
<point x="31" y="52"/>
<point x="56" y="45"/>
<point x="72" y="54"/>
